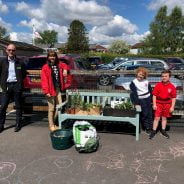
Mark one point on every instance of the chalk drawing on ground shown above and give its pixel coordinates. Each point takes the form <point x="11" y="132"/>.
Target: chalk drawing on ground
<point x="110" y="160"/>
<point x="35" y="171"/>
<point x="6" y="169"/>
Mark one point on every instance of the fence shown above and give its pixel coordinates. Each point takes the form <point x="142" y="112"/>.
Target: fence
<point x="98" y="80"/>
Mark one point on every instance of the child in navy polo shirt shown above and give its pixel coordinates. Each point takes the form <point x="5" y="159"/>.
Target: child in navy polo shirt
<point x="141" y="95"/>
<point x="164" y="98"/>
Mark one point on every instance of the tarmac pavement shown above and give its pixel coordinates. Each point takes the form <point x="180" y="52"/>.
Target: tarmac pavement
<point x="27" y="157"/>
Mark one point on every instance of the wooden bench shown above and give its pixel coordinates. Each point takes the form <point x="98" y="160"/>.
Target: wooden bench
<point x="100" y="97"/>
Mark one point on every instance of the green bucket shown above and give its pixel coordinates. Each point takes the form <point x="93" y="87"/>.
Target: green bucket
<point x="62" y="139"/>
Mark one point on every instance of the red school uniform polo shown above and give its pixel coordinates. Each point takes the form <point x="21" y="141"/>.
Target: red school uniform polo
<point x="164" y="92"/>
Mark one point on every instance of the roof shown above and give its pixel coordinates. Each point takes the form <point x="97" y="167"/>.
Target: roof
<point x="137" y="45"/>
<point x="97" y="46"/>
<point x="20" y="45"/>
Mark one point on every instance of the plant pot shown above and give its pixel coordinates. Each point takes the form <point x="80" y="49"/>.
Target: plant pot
<point x="81" y="112"/>
<point x="72" y="110"/>
<point x="119" y="112"/>
<point x="62" y="139"/>
<point x="95" y="111"/>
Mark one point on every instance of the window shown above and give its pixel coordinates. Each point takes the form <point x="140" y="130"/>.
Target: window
<point x="142" y="62"/>
<point x="157" y="63"/>
<point x="123" y="65"/>
<point x="35" y="63"/>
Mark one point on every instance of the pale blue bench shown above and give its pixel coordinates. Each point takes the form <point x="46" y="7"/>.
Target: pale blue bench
<point x="101" y="97"/>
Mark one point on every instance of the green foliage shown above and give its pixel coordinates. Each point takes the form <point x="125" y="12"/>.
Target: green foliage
<point x="119" y="47"/>
<point x="125" y="106"/>
<point x="166" y="33"/>
<point x="49" y="37"/>
<point x="108" y="57"/>
<point x="75" y="101"/>
<point x="3" y="33"/>
<point x="78" y="41"/>
<point x="175" y="30"/>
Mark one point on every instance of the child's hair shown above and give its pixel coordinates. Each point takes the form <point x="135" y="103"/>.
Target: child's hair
<point x="166" y="71"/>
<point x="53" y="53"/>
<point x="143" y="70"/>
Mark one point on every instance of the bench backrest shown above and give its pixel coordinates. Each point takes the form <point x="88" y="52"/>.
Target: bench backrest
<point x="99" y="97"/>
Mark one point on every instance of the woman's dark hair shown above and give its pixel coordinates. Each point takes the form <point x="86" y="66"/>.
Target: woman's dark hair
<point x="52" y="53"/>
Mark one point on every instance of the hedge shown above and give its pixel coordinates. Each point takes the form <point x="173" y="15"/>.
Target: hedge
<point x="108" y="57"/>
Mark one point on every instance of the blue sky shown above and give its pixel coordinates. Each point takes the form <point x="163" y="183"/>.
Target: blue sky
<point x="106" y="20"/>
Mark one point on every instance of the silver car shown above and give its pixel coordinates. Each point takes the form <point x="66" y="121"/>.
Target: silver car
<point x="142" y="61"/>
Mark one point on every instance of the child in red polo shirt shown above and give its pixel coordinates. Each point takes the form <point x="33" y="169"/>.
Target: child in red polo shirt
<point x="164" y="98"/>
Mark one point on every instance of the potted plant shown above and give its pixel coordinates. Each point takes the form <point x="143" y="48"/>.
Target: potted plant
<point x="74" y="103"/>
<point x="124" y="109"/>
<point x="95" y="109"/>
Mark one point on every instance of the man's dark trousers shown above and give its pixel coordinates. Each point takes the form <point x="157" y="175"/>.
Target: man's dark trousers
<point x="13" y="90"/>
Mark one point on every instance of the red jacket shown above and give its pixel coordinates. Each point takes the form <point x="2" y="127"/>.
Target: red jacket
<point x="47" y="81"/>
<point x="164" y="92"/>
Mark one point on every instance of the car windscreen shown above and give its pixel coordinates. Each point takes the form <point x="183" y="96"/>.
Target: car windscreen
<point x="35" y="63"/>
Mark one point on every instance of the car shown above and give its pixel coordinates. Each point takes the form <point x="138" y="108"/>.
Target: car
<point x="123" y="83"/>
<point x="155" y="64"/>
<point x="113" y="63"/>
<point x="94" y="61"/>
<point x="174" y="62"/>
<point x="142" y="61"/>
<point x="149" y="67"/>
<point x="34" y="64"/>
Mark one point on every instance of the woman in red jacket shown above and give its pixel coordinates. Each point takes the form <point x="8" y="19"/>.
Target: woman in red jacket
<point x="53" y="81"/>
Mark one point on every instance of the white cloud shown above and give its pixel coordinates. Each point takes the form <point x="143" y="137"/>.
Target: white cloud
<point x="133" y="38"/>
<point x="42" y="25"/>
<point x="105" y="27"/>
<point x="21" y="36"/>
<point x="29" y="10"/>
<point x="62" y="12"/>
<point x="5" y="24"/>
<point x="116" y="27"/>
<point x="3" y="7"/>
<point x="156" y="4"/>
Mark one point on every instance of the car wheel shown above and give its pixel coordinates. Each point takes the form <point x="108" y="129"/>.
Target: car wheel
<point x="104" y="80"/>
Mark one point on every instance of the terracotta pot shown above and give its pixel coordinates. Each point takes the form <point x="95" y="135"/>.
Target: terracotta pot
<point x="81" y="112"/>
<point x="95" y="111"/>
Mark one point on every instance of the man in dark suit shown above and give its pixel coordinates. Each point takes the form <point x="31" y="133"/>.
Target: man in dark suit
<point x="12" y="74"/>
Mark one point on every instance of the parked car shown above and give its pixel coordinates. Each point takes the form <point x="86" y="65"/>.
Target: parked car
<point x="123" y="83"/>
<point x="34" y="64"/>
<point x="94" y="61"/>
<point x="153" y="64"/>
<point x="113" y="63"/>
<point x="174" y="62"/>
<point x="149" y="67"/>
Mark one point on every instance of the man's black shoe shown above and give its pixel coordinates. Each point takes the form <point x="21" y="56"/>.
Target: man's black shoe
<point x="17" y="128"/>
<point x="152" y="134"/>
<point x="1" y="129"/>
<point x="164" y="134"/>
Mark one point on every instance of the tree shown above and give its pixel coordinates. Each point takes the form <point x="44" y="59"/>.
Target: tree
<point x="119" y="47"/>
<point x="175" y="30"/>
<point x="3" y="33"/>
<point x="166" y="32"/>
<point x="48" y="37"/>
<point x="155" y="43"/>
<point x="78" y="41"/>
